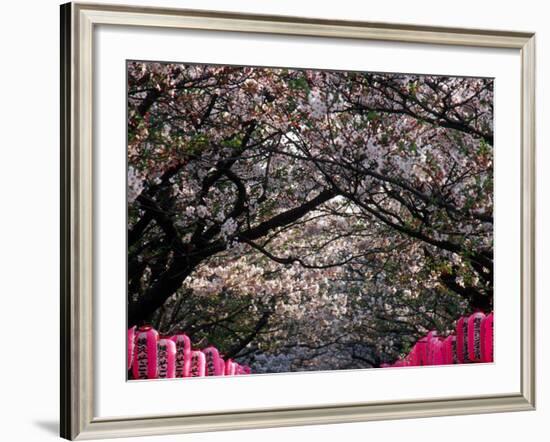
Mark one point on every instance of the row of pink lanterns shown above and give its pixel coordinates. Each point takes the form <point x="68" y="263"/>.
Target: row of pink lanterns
<point x="471" y="343"/>
<point x="151" y="356"/>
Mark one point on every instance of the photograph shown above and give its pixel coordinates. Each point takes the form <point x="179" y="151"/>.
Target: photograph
<point x="290" y="220"/>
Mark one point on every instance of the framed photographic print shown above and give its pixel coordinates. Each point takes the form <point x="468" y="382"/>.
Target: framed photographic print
<point x="273" y="220"/>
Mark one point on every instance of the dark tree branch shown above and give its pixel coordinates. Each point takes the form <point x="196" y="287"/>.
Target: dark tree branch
<point x="262" y="322"/>
<point x="184" y="264"/>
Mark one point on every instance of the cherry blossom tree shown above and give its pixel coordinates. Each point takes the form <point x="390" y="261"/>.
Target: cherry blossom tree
<point x="305" y="219"/>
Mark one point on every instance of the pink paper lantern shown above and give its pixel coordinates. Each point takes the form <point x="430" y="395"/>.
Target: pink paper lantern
<point x="166" y="358"/>
<point x="418" y="355"/>
<point x="413" y="357"/>
<point x="438" y="354"/>
<point x="462" y="341"/>
<point x="131" y="344"/>
<point x="198" y="364"/>
<point x="449" y="350"/>
<point x="183" y="355"/>
<point x="213" y="366"/>
<point x="230" y="368"/>
<point x="474" y="336"/>
<point x="221" y="368"/>
<point x="145" y="353"/>
<point x="431" y="343"/>
<point x="487" y="338"/>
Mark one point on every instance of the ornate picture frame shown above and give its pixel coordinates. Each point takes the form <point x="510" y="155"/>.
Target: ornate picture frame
<point x="78" y="24"/>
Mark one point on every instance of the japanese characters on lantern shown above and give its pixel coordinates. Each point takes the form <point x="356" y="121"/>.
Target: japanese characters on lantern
<point x="474" y="336"/>
<point x="166" y="358"/>
<point x="183" y="355"/>
<point x="145" y="353"/>
<point x="213" y="364"/>
<point x="198" y="364"/>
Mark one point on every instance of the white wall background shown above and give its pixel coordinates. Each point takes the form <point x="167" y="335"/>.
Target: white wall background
<point x="29" y="233"/>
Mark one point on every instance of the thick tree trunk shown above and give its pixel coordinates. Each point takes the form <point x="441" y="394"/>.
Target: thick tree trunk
<point x="143" y="309"/>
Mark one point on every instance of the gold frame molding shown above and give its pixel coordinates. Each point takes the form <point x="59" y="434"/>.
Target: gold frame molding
<point x="77" y="393"/>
